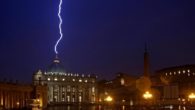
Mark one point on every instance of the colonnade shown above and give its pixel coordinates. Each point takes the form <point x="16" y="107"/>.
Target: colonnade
<point x="14" y="96"/>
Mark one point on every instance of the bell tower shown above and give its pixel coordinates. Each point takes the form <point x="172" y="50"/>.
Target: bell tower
<point x="146" y="62"/>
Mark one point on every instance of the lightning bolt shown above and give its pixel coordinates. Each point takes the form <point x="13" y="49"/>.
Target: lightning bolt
<point x="60" y="27"/>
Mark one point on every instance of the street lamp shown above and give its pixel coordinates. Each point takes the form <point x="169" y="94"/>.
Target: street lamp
<point x="147" y="95"/>
<point x="191" y="96"/>
<point x="108" y="99"/>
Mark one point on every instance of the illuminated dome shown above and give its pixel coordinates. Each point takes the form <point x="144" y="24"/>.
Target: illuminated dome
<point x="56" y="67"/>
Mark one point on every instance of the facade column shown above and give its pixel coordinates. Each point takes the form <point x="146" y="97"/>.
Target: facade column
<point x="53" y="93"/>
<point x="58" y="88"/>
<point x="65" y="94"/>
<point x="3" y="98"/>
<point x="60" y="93"/>
<point x="22" y="99"/>
<point x="0" y="97"/>
<point x="76" y="94"/>
<point x="25" y="97"/>
<point x="6" y="100"/>
<point x="11" y="99"/>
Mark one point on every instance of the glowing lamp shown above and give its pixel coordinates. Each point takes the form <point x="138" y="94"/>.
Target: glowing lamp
<point x="17" y="103"/>
<point x="147" y="95"/>
<point x="108" y="99"/>
<point x="191" y="96"/>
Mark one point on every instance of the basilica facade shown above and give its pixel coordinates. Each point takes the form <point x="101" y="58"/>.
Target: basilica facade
<point x="66" y="88"/>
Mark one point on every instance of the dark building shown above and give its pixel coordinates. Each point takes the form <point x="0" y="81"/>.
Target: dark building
<point x="122" y="89"/>
<point x="181" y="78"/>
<point x="126" y="88"/>
<point x="176" y="73"/>
<point x="146" y="62"/>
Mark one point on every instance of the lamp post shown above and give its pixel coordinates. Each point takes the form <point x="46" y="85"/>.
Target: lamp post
<point x="108" y="102"/>
<point x="108" y="99"/>
<point x="147" y="96"/>
<point x="191" y="97"/>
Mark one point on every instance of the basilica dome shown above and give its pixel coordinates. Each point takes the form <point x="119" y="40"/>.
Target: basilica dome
<point x="56" y="67"/>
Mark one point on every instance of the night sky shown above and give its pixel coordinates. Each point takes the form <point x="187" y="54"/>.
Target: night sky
<point x="100" y="36"/>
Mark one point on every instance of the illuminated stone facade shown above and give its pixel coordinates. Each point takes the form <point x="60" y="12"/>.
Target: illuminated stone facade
<point x="15" y="96"/>
<point x="66" y="88"/>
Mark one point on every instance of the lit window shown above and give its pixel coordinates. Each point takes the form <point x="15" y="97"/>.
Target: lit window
<point x="131" y="102"/>
<point x="48" y="79"/>
<point x="68" y="98"/>
<point x="80" y="90"/>
<point x="188" y="71"/>
<point x="122" y="81"/>
<point x="179" y="72"/>
<point x="73" y="80"/>
<point x="73" y="99"/>
<point x="55" y="79"/>
<point x="86" y="80"/>
<point x="93" y="89"/>
<point x="80" y="98"/>
<point x="83" y="75"/>
<point x="184" y="71"/>
<point x="188" y="74"/>
<point x="73" y="89"/>
<point x="63" y="89"/>
<point x="170" y="73"/>
<point x="71" y="74"/>
<point x="63" y="79"/>
<point x="193" y="73"/>
<point x="174" y="73"/>
<point x="68" y="89"/>
<point x="166" y="74"/>
<point x="80" y="80"/>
